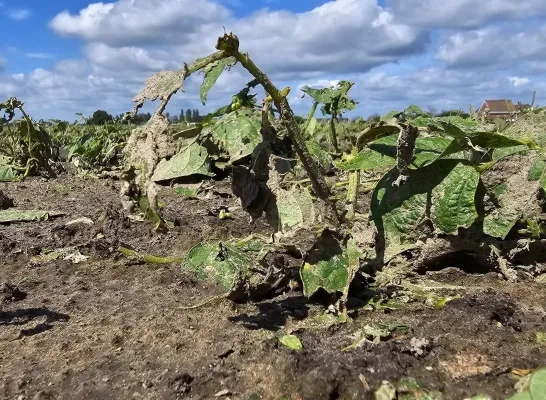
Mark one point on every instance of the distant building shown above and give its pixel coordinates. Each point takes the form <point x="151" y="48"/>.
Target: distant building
<point x="504" y="109"/>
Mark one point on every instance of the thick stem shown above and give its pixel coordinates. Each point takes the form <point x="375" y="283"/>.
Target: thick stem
<point x="333" y="133"/>
<point x="287" y="116"/>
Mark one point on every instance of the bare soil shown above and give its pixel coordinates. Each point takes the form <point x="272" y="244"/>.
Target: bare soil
<point x="112" y="328"/>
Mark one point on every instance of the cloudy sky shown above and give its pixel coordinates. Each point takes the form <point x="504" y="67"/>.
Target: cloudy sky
<point x="67" y="56"/>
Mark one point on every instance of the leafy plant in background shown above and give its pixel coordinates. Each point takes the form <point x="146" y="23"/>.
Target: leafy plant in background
<point x="25" y="146"/>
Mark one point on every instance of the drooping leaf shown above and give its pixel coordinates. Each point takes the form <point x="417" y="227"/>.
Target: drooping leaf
<point x="453" y="203"/>
<point x="237" y="132"/>
<point x="190" y="160"/>
<point x="212" y="73"/>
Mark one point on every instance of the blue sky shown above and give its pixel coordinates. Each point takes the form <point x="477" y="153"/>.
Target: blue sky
<point x="65" y="57"/>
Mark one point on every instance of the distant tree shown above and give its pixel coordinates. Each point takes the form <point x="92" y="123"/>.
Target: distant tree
<point x="168" y="115"/>
<point x="188" y="116"/>
<point x="175" y="119"/>
<point x="195" y="115"/>
<point x="374" y="117"/>
<point x="181" y="117"/>
<point x="100" y="117"/>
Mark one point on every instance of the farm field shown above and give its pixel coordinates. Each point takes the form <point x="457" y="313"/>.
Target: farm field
<point x="256" y="255"/>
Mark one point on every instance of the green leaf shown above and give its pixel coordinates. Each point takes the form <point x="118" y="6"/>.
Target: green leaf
<point x="381" y="154"/>
<point x="291" y="341"/>
<point x="453" y="203"/>
<point x="7" y="174"/>
<point x="328" y="270"/>
<point x="537" y="385"/>
<point x="320" y="154"/>
<point x="521" y="396"/>
<point x="536" y="172"/>
<point x="399" y="211"/>
<point x="217" y="261"/>
<point x="190" y="160"/>
<point x="413" y="109"/>
<point x="238" y="133"/>
<point x="500" y="222"/>
<point x="212" y="73"/>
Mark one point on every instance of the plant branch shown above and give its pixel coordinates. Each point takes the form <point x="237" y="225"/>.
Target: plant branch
<point x="230" y="44"/>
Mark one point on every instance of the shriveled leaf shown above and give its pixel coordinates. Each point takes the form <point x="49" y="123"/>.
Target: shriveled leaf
<point x="295" y="208"/>
<point x="238" y="133"/>
<point x="191" y="160"/>
<point x="291" y="341"/>
<point x="161" y="85"/>
<point x="11" y="215"/>
<point x="514" y="195"/>
<point x="428" y="150"/>
<point x="387" y="391"/>
<point x="453" y="203"/>
<point x="212" y="73"/>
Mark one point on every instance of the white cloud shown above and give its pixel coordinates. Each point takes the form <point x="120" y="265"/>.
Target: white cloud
<point x="463" y="13"/>
<point x="517" y="81"/>
<point x="494" y="47"/>
<point x="130" y="22"/>
<point x="39" y="55"/>
<point x="18" y="14"/>
<point x="391" y="59"/>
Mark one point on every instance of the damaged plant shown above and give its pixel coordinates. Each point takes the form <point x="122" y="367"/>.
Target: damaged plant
<point x="434" y="192"/>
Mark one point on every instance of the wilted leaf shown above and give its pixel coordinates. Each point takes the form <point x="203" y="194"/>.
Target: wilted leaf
<point x="320" y="154"/>
<point x="217" y="261"/>
<point x="386" y="391"/>
<point x="191" y="160"/>
<point x="295" y="208"/>
<point x="26" y="215"/>
<point x="7" y="174"/>
<point x="291" y="341"/>
<point x="237" y="132"/>
<point x="212" y="73"/>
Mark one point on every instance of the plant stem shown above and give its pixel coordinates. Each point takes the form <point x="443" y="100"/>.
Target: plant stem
<point x="333" y="133"/>
<point x="287" y="117"/>
<point x="311" y="115"/>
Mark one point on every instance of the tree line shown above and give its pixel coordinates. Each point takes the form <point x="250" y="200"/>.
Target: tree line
<point x="100" y="117"/>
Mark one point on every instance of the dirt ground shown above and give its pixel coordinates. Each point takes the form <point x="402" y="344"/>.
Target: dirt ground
<point x="112" y="328"/>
